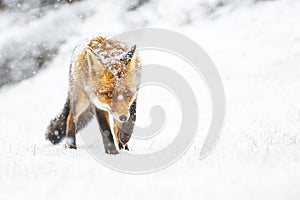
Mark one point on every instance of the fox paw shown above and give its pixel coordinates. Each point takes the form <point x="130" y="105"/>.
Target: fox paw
<point x="70" y="146"/>
<point x="110" y="148"/>
<point x="111" y="151"/>
<point x="125" y="146"/>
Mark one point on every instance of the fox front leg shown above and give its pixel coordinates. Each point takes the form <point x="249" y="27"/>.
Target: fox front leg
<point x="71" y="132"/>
<point x="117" y="131"/>
<point x="124" y="131"/>
<point x="108" y="139"/>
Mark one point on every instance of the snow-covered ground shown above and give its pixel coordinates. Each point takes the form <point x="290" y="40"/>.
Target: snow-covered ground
<point x="256" y="48"/>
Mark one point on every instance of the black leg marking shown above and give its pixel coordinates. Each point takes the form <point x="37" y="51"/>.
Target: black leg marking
<point x="127" y="128"/>
<point x="108" y="140"/>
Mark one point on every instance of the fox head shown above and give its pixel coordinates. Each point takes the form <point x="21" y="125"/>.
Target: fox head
<point x="114" y="81"/>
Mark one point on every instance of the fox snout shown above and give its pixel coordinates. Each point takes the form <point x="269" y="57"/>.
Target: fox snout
<point x="121" y="117"/>
<point x="121" y="108"/>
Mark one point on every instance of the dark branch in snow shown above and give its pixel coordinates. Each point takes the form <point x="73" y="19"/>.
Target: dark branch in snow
<point x="33" y="5"/>
<point x="134" y="5"/>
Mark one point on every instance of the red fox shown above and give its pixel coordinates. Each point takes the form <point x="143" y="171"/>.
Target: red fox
<point x="104" y="78"/>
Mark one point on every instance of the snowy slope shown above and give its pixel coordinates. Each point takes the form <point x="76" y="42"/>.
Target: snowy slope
<point x="256" y="48"/>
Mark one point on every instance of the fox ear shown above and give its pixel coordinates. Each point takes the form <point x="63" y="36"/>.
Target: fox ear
<point x="130" y="57"/>
<point x="94" y="61"/>
<point x="129" y="54"/>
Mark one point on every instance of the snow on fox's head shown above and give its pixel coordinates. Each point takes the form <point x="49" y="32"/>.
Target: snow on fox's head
<point x="114" y="74"/>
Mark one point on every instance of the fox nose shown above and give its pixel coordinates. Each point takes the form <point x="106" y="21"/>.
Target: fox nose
<point x="123" y="118"/>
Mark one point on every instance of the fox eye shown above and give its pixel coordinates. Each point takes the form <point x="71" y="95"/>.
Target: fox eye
<point x="127" y="93"/>
<point x="109" y="94"/>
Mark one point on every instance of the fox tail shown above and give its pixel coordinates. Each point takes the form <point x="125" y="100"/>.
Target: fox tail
<point x="56" y="131"/>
